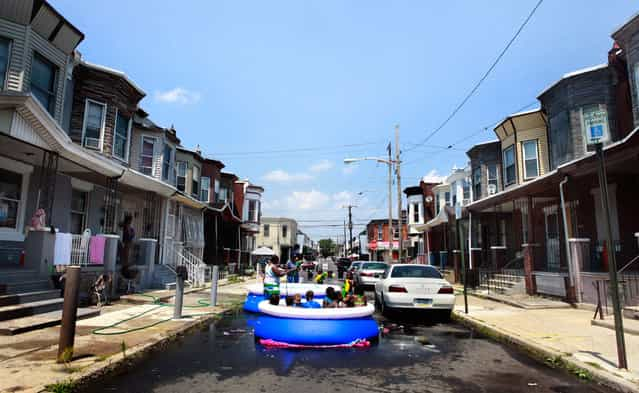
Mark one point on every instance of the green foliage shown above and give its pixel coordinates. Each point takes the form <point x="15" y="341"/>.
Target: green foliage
<point x="327" y="247"/>
<point x="66" y="356"/>
<point x="61" y="387"/>
<point x="559" y="362"/>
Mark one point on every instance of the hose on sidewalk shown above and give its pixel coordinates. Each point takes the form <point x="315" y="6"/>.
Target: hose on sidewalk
<point x="154" y="300"/>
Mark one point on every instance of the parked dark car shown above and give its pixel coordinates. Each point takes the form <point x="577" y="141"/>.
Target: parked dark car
<point x="342" y="266"/>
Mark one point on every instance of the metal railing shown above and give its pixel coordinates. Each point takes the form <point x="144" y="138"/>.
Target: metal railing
<point x="499" y="281"/>
<point x="80" y="249"/>
<point x="628" y="293"/>
<point x="195" y="268"/>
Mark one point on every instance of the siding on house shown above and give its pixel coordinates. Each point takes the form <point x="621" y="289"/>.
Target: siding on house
<point x="482" y="156"/>
<point x="563" y="102"/>
<point x="107" y="88"/>
<point x="628" y="38"/>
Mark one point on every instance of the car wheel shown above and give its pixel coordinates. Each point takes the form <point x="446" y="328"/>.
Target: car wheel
<point x="377" y="304"/>
<point x="383" y="308"/>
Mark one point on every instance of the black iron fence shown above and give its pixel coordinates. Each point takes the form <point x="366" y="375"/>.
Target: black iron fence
<point x="499" y="281"/>
<point x="628" y="293"/>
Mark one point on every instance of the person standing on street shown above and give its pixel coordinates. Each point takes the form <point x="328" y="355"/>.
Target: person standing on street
<point x="272" y="276"/>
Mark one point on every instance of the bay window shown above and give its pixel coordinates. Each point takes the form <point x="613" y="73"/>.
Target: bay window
<point x="477" y="183"/>
<point x="531" y="159"/>
<point x="447" y="198"/>
<point x="493" y="182"/>
<point x="252" y="210"/>
<point x="10" y="198"/>
<point x="415" y="207"/>
<point x="146" y="155"/>
<point x="205" y="190"/>
<point x="510" y="175"/>
<point x="93" y="127"/>
<point x="216" y="190"/>
<point x="121" y="136"/>
<point x="181" y="176"/>
<point x="466" y="191"/>
<point x="5" y="48"/>
<point x="43" y="81"/>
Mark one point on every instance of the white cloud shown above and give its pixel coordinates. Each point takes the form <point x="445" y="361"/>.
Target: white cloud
<point x="307" y="200"/>
<point x="280" y="176"/>
<point x="433" y="177"/>
<point x="178" y="95"/>
<point x="321" y="166"/>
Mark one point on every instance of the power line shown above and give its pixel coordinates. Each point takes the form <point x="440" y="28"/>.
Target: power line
<point x="481" y="80"/>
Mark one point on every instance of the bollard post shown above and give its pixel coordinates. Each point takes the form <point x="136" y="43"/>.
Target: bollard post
<point x="179" y="291"/>
<point x="214" y="276"/>
<point x="69" y="314"/>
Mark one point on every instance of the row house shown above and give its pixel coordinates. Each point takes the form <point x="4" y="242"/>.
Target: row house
<point x="380" y="245"/>
<point x="421" y="208"/>
<point x="78" y="154"/>
<point x="280" y="235"/>
<point x="537" y="210"/>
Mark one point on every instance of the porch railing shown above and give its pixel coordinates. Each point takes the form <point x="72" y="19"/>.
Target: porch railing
<point x="195" y="268"/>
<point x="500" y="281"/>
<point x="628" y="293"/>
<point x="80" y="249"/>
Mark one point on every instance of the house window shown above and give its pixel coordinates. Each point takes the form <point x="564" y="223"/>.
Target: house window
<point x="223" y="194"/>
<point x="493" y="185"/>
<point x="396" y="233"/>
<point x="181" y="175"/>
<point x="78" y="211"/>
<point x="216" y="189"/>
<point x="195" y="181"/>
<point x="284" y="231"/>
<point x="380" y="232"/>
<point x="10" y="198"/>
<point x="146" y="155"/>
<point x="267" y="229"/>
<point x="447" y="198"/>
<point x="531" y="161"/>
<point x="466" y="190"/>
<point x="92" y="130"/>
<point x="167" y="162"/>
<point x="206" y="188"/>
<point x="437" y="203"/>
<point x="252" y="211"/>
<point x="477" y="183"/>
<point x="416" y="212"/>
<point x="121" y="137"/>
<point x="43" y="81"/>
<point x="510" y="175"/>
<point x="5" y="46"/>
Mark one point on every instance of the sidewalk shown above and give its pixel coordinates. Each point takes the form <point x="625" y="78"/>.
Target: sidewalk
<point x="27" y="361"/>
<point x="553" y="333"/>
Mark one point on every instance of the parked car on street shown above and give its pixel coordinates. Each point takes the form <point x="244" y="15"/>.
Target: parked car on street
<point x="368" y="274"/>
<point x="414" y="286"/>
<point x="354" y="266"/>
<point x="308" y="265"/>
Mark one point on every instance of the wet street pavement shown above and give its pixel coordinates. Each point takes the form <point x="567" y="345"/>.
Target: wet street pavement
<point x="412" y="357"/>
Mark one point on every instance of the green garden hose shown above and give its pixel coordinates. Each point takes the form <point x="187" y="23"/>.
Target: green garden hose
<point x="154" y="300"/>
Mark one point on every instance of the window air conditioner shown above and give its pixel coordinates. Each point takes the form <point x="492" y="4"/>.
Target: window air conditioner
<point x="492" y="189"/>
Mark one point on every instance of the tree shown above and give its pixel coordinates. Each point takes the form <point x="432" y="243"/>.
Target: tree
<point x="327" y="247"/>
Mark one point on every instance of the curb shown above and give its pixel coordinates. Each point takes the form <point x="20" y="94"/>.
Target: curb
<point x="541" y="354"/>
<point x="118" y="363"/>
<point x="517" y="304"/>
<point x="607" y="324"/>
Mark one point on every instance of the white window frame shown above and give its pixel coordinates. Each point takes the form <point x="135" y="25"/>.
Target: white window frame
<point x="380" y="232"/>
<point x="9" y="49"/>
<point x="102" y="123"/>
<point x="54" y="92"/>
<point x="207" y="189"/>
<point x="267" y="230"/>
<point x="496" y="177"/>
<point x="505" y="169"/>
<point x="527" y="176"/>
<point x="155" y="140"/>
<point x="177" y="172"/>
<point x="171" y="161"/>
<point x="255" y="210"/>
<point x="127" y="149"/>
<point x="193" y="181"/>
<point x="17" y="234"/>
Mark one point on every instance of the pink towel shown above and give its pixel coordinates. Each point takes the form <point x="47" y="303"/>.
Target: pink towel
<point x="278" y="344"/>
<point x="96" y="250"/>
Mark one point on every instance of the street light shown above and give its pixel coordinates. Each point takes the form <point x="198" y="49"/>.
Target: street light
<point x="390" y="163"/>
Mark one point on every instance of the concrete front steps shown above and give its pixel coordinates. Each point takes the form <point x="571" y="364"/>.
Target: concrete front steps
<point x="504" y="284"/>
<point x="27" y="311"/>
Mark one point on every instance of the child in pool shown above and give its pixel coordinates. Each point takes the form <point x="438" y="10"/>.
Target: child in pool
<point x="274" y="300"/>
<point x="297" y="300"/>
<point x="310" y="303"/>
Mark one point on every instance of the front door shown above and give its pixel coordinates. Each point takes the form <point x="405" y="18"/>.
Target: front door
<point x="552" y="238"/>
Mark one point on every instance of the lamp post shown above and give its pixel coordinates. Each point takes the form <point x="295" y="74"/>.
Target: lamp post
<point x="389" y="162"/>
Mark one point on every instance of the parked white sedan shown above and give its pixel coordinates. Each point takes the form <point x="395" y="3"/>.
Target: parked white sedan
<point x="414" y="286"/>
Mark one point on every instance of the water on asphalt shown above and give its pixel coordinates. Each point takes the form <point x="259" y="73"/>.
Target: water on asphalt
<point x="414" y="356"/>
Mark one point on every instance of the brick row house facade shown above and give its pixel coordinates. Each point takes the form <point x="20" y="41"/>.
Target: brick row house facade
<point x="76" y="143"/>
<point x="535" y="210"/>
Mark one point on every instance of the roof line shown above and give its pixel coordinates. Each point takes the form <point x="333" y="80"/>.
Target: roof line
<point x="115" y="72"/>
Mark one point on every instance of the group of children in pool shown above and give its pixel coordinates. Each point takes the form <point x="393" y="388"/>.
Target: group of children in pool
<point x="333" y="299"/>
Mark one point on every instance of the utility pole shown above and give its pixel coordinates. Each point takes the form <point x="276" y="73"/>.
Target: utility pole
<point x="350" y="225"/>
<point x="612" y="259"/>
<point x="389" y="257"/>
<point x="399" y="192"/>
<point x="344" y="238"/>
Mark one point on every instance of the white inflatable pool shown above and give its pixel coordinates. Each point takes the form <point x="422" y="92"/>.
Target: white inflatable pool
<point x="315" y="313"/>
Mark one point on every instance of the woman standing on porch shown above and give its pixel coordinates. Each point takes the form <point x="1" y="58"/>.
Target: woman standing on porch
<point x="128" y="234"/>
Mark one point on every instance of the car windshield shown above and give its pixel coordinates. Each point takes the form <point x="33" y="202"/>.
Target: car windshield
<point x="374" y="266"/>
<point x="356" y="265"/>
<point x="415" y="272"/>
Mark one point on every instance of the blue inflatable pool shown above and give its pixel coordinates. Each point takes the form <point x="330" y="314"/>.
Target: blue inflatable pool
<point x="256" y="293"/>
<point x="315" y="331"/>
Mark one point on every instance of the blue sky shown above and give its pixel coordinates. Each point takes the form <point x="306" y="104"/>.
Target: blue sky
<point x="329" y="79"/>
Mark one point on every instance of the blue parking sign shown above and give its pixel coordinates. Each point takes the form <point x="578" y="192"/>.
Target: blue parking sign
<point x="596" y="131"/>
